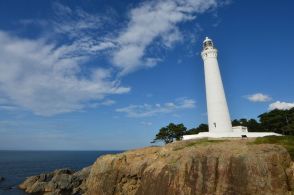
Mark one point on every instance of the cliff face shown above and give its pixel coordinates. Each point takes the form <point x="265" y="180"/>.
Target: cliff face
<point x="194" y="167"/>
<point x="232" y="167"/>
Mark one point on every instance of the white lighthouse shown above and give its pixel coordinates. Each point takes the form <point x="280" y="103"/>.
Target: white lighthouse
<point x="219" y="120"/>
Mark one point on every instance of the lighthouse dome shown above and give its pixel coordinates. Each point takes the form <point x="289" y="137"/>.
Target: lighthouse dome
<point x="207" y="43"/>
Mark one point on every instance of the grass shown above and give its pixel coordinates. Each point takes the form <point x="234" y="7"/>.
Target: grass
<point x="199" y="142"/>
<point x="286" y="141"/>
<point x="204" y="141"/>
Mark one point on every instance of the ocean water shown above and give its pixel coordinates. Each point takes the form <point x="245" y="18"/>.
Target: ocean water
<point x="16" y="166"/>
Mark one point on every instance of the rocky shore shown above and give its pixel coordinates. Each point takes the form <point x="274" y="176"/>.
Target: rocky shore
<point x="181" y="168"/>
<point x="62" y="181"/>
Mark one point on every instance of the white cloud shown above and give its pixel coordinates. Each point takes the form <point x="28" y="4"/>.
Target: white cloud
<point x="170" y="38"/>
<point x="281" y="105"/>
<point x="82" y="28"/>
<point x="147" y="110"/>
<point x="146" y="123"/>
<point x="46" y="78"/>
<point x="107" y="102"/>
<point x="154" y="20"/>
<point x="8" y="108"/>
<point x="74" y="23"/>
<point x="258" y="97"/>
<point x="149" y="22"/>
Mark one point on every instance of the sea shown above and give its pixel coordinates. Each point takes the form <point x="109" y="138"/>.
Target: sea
<point x="16" y="166"/>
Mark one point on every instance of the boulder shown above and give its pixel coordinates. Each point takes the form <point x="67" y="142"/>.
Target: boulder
<point x="62" y="181"/>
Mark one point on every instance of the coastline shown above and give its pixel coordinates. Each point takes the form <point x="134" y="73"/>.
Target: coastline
<point x="17" y="165"/>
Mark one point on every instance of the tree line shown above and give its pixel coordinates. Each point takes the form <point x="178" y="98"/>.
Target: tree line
<point x="278" y="121"/>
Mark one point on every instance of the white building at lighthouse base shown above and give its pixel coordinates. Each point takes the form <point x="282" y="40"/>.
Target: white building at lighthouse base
<point x="238" y="132"/>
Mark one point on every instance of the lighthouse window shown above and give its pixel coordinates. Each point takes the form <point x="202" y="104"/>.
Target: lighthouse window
<point x="208" y="43"/>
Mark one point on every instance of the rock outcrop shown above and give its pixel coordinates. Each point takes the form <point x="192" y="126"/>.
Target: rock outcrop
<point x="182" y="168"/>
<point x="62" y="181"/>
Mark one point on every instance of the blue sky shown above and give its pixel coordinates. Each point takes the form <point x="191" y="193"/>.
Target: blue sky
<point x="107" y="74"/>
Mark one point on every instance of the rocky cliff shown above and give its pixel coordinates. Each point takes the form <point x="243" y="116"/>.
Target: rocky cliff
<point x="181" y="168"/>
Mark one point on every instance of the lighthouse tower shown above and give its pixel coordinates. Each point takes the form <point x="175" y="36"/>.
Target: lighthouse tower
<point x="219" y="120"/>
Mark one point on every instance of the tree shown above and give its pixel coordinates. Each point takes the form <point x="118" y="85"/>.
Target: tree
<point x="236" y="122"/>
<point x="164" y="134"/>
<point x="177" y="131"/>
<point x="251" y="124"/>
<point x="243" y="121"/>
<point x="278" y="121"/>
<point x="254" y="126"/>
<point x="170" y="132"/>
<point x="201" y="128"/>
<point x="290" y="122"/>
